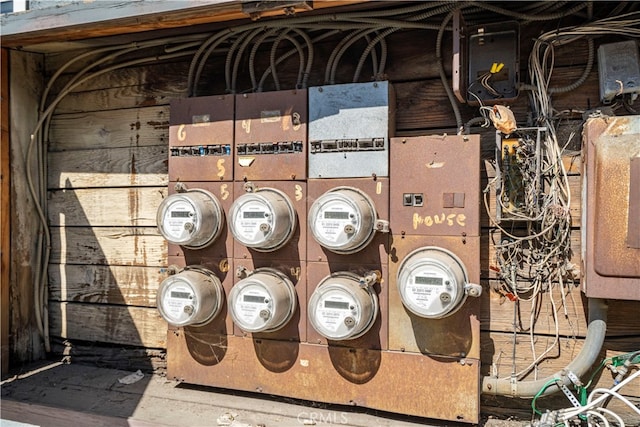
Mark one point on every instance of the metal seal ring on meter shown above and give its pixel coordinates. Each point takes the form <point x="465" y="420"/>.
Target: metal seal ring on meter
<point x="192" y="219"/>
<point x="433" y="283"/>
<point x="263" y="220"/>
<point x="192" y="297"/>
<point x="342" y="307"/>
<point x="264" y="301"/>
<point x="344" y="220"/>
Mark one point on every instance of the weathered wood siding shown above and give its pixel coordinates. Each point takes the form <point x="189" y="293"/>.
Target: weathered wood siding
<point x="5" y="218"/>
<point x="107" y="173"/>
<point x="26" y="83"/>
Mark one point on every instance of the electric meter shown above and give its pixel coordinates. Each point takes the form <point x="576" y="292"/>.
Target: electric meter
<point x="192" y="219"/>
<point x="433" y="283"/>
<point x="344" y="220"/>
<point x="264" y="301"/>
<point x="343" y="306"/>
<point x="191" y="297"/>
<point x="263" y="220"/>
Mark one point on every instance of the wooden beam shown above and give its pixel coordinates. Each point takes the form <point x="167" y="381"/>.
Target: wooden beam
<point x="25" y="84"/>
<point x="84" y="20"/>
<point x="5" y="205"/>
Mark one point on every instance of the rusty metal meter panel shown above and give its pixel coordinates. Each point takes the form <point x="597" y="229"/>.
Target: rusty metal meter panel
<point x="349" y="130"/>
<point x="271" y="136"/>
<point x="216" y="255"/>
<point x="347" y="305"/>
<point x="346" y="226"/>
<point x="435" y="186"/>
<point x="219" y="270"/>
<point x="201" y="139"/>
<point x="269" y="301"/>
<point x="433" y="290"/>
<point x="611" y="239"/>
<point x="268" y="220"/>
<point x="179" y="217"/>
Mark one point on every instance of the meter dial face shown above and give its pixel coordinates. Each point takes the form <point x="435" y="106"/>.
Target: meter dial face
<point x="431" y="282"/>
<point x="342" y="220"/>
<point x="193" y="219"/>
<point x="191" y="297"/>
<point x="339" y="309"/>
<point x="264" y="220"/>
<point x="263" y="302"/>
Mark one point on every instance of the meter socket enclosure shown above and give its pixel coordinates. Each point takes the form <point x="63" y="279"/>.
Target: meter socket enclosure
<point x="263" y="301"/>
<point x="193" y="219"/>
<point x="433" y="283"/>
<point x="349" y="129"/>
<point x="192" y="297"/>
<point x="343" y="306"/>
<point x="263" y="219"/>
<point x="344" y="220"/>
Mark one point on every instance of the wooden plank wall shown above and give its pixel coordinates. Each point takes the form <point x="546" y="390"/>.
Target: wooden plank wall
<point x="108" y="173"/>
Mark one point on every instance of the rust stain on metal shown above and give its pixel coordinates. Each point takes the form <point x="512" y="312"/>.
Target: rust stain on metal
<point x="455" y="336"/>
<point x="378" y="336"/>
<point x="271" y="128"/>
<point x="201" y="139"/>
<point x="618" y="126"/>
<point x="612" y="266"/>
<point x="384" y="380"/>
<point x="452" y="162"/>
<point x="378" y="190"/>
<point x="296" y="248"/>
<point x="612" y="196"/>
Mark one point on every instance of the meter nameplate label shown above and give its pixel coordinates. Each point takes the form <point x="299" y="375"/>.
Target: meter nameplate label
<point x="424" y="289"/>
<point x="270" y="116"/>
<point x="332" y="219"/>
<point x="250" y="218"/>
<point x="176" y="298"/>
<point x="249" y="303"/>
<point x="177" y="215"/>
<point x="332" y="310"/>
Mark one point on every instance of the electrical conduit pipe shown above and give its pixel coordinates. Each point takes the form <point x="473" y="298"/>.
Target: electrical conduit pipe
<point x="596" y="332"/>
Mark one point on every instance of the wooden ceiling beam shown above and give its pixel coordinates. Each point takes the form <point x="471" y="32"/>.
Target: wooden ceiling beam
<point x="85" y="20"/>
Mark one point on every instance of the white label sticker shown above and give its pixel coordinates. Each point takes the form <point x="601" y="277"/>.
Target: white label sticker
<point x="336" y="223"/>
<point x="270" y="116"/>
<point x="424" y="289"/>
<point x="248" y="305"/>
<point x="176" y="298"/>
<point x="333" y="309"/>
<point x="253" y="222"/>
<point x="176" y="216"/>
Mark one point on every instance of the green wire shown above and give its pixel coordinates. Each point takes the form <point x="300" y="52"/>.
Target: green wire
<point x="544" y="387"/>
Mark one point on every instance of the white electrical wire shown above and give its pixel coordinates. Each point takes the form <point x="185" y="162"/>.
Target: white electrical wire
<point x="567" y="414"/>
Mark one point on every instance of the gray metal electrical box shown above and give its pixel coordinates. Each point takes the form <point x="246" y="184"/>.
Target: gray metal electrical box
<point x="619" y="69"/>
<point x="349" y="129"/>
